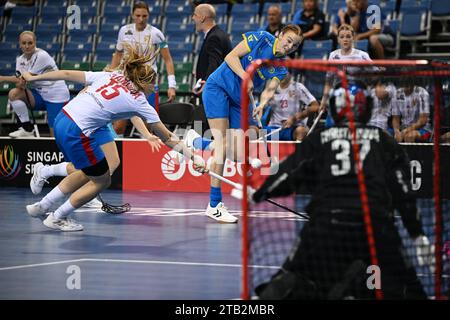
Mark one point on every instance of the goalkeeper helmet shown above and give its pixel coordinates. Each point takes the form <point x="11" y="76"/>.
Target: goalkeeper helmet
<point x="361" y="103"/>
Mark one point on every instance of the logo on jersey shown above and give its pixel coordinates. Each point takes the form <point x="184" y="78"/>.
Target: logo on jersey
<point x="447" y="249"/>
<point x="10" y="165"/>
<point x="129" y="33"/>
<point x="172" y="166"/>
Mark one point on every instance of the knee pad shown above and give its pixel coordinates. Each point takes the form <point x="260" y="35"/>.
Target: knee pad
<point x="98" y="169"/>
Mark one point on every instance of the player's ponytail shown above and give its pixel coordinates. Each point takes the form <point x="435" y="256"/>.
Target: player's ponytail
<point x="137" y="67"/>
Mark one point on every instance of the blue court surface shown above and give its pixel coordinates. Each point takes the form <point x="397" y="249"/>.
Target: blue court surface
<point x="164" y="248"/>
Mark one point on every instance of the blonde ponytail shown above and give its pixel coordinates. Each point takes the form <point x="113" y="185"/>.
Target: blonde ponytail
<point x="136" y="66"/>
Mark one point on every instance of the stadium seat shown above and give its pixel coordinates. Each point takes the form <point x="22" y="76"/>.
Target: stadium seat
<point x="111" y="27"/>
<point x="21" y="12"/>
<point x="183" y="67"/>
<point x="440" y="8"/>
<point x="85" y="28"/>
<point x="180" y="55"/>
<point x="155" y="10"/>
<point x="178" y="37"/>
<point x="108" y="38"/>
<point x="415" y="27"/>
<point x="103" y="56"/>
<point x="53" y="10"/>
<point x="176" y="114"/>
<point x="117" y="19"/>
<point x="106" y="46"/>
<point x="75" y="65"/>
<point x="395" y="26"/>
<point x="321" y="45"/>
<point x="75" y="56"/>
<point x="17" y="28"/>
<point x="247" y="9"/>
<point x="50" y="28"/>
<point x="177" y="2"/>
<point x="174" y="45"/>
<point x="414" y="24"/>
<point x="332" y="7"/>
<point x="388" y="8"/>
<point x="3" y="106"/>
<point x="99" y="65"/>
<point x="52" y="48"/>
<point x="84" y="47"/>
<point x="114" y="10"/>
<point x="362" y="45"/>
<point x="105" y="50"/>
<point x="21" y="20"/>
<point x="314" y="53"/>
<point x="44" y="36"/>
<point x="221" y="10"/>
<point x="80" y="37"/>
<point x="87" y="3"/>
<point x="7" y="67"/>
<point x="286" y="7"/>
<point x="9" y="46"/>
<point x="172" y="28"/>
<point x="242" y="27"/>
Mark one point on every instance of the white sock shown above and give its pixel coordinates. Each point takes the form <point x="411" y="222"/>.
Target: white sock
<point x="20" y="108"/>
<point x="52" y="197"/>
<point x="59" y="170"/>
<point x="64" y="210"/>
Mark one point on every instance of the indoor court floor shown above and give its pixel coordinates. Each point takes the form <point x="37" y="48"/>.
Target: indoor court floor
<point x="164" y="248"/>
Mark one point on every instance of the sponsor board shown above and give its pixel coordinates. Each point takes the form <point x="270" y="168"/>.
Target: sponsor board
<point x="18" y="157"/>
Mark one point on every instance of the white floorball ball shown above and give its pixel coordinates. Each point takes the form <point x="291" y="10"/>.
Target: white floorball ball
<point x="256" y="163"/>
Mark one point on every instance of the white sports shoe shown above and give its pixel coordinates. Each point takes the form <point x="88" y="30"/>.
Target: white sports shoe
<point x="190" y="137"/>
<point x="64" y="224"/>
<point x="220" y="213"/>
<point x="36" y="211"/>
<point x="21" y="133"/>
<point x="37" y="181"/>
<point x="94" y="203"/>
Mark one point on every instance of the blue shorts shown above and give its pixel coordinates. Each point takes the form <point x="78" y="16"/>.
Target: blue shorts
<point x="286" y="134"/>
<point x="218" y="104"/>
<point x="151" y="99"/>
<point x="52" y="108"/>
<point x="424" y="135"/>
<point x="82" y="151"/>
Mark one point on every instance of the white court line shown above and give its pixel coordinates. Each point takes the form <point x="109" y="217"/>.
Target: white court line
<point x="174" y="212"/>
<point x="180" y="263"/>
<point x="40" y="264"/>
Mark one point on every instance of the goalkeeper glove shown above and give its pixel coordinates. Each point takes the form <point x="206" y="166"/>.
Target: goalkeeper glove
<point x="425" y="252"/>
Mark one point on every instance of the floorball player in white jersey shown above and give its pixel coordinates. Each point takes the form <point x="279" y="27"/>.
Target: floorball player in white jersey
<point x="411" y="112"/>
<point x="111" y="95"/>
<point x="44" y="95"/>
<point x="146" y="37"/>
<point x="291" y="106"/>
<point x="346" y="39"/>
<point x="383" y="96"/>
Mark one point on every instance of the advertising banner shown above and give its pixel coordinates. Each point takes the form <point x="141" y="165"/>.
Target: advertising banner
<point x="18" y="157"/>
<point x="141" y="169"/>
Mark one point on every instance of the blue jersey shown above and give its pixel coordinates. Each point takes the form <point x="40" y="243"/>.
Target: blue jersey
<point x="260" y="45"/>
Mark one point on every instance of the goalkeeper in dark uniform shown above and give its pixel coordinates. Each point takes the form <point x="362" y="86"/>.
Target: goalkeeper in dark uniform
<point x="331" y="255"/>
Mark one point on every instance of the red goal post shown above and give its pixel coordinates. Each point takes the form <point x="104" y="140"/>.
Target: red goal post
<point x="422" y="68"/>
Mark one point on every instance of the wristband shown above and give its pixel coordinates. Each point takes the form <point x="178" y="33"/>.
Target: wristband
<point x="172" y="81"/>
